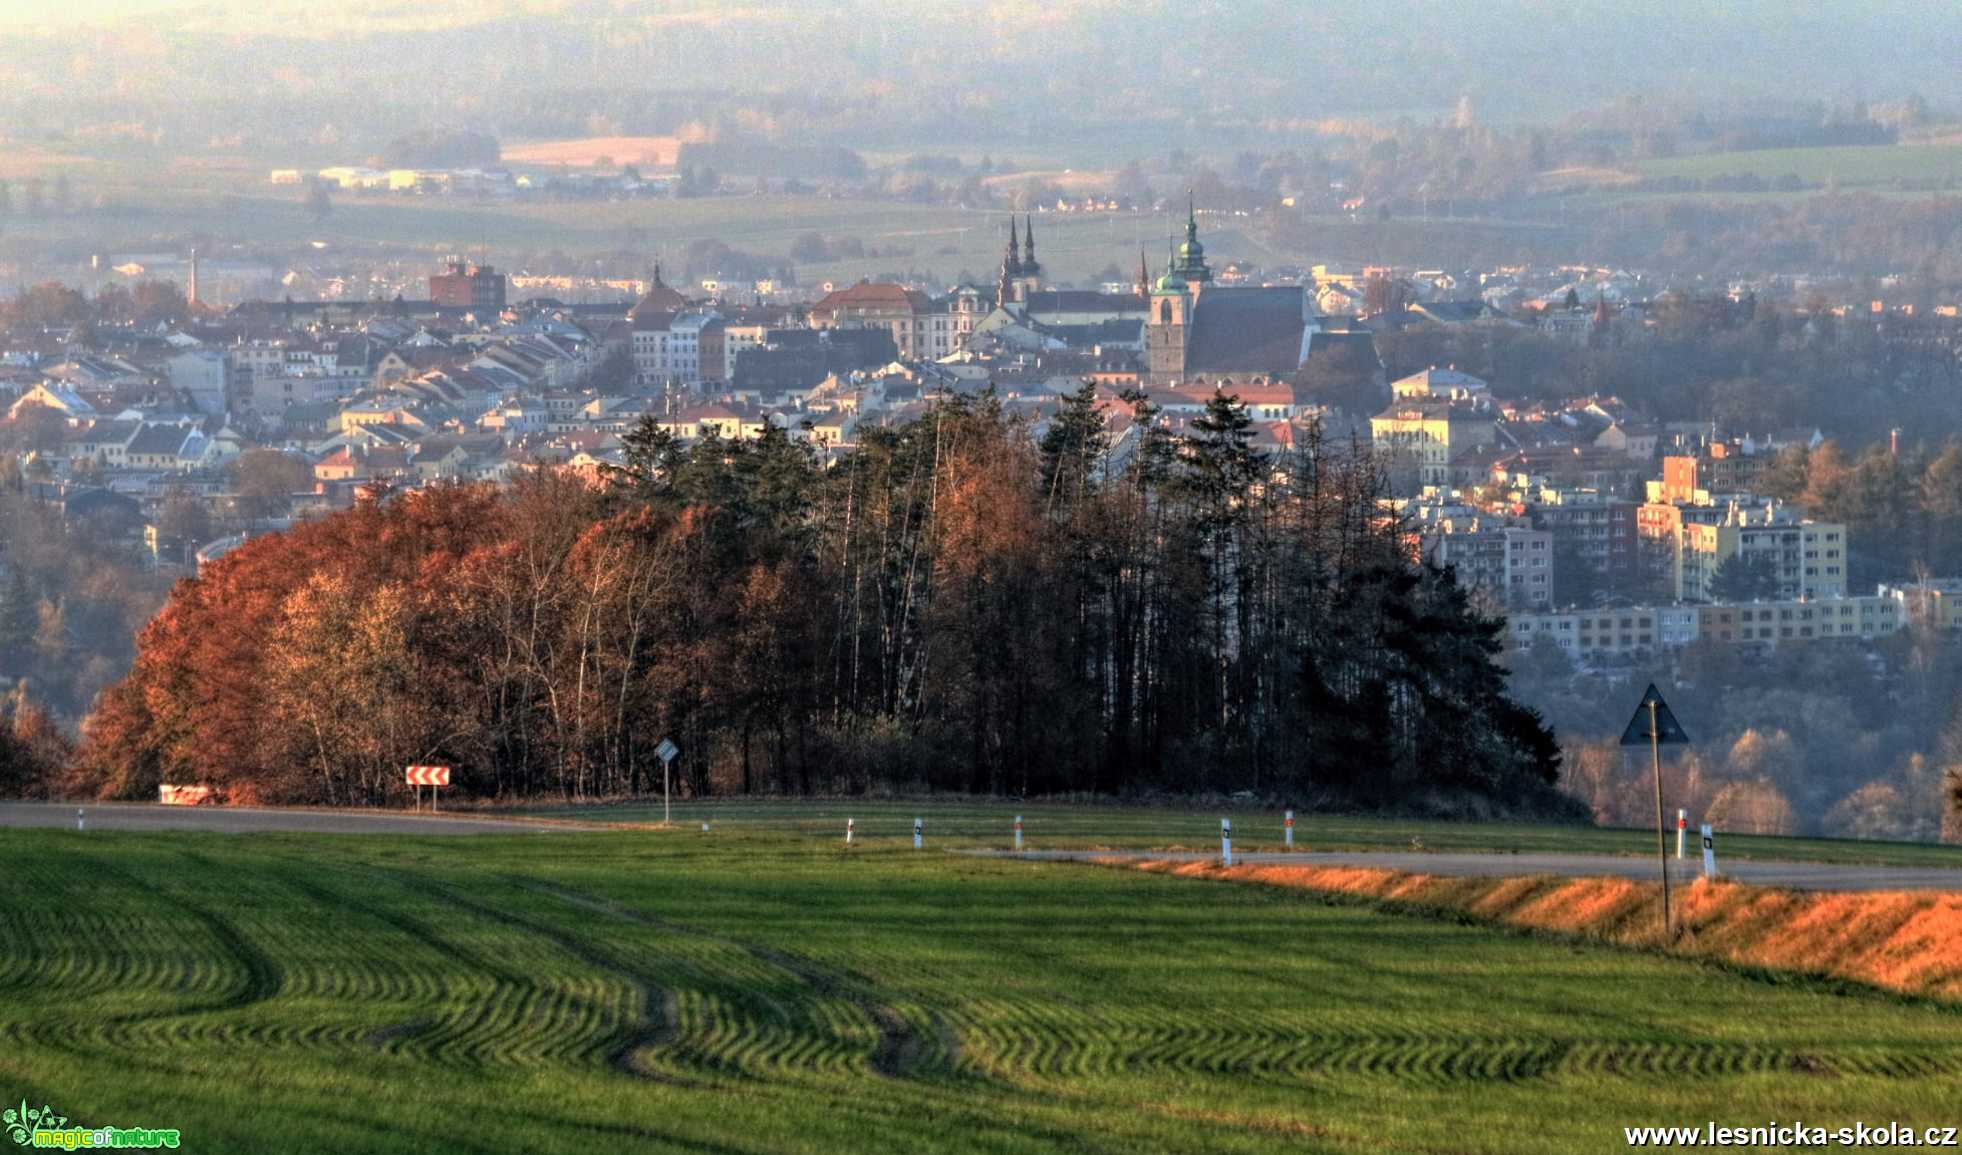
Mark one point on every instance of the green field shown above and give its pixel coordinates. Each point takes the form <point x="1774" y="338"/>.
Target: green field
<point x="153" y="201"/>
<point x="740" y="993"/>
<point x="1854" y="166"/>
<point x="966" y="824"/>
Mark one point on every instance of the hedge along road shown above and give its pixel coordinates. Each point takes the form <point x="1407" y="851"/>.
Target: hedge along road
<point x="1789" y="875"/>
<point x="249" y="819"/>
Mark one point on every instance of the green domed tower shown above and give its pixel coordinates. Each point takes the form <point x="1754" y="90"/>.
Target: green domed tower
<point x="1191" y="257"/>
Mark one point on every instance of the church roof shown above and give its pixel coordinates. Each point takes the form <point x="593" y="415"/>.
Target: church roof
<point x="1081" y="301"/>
<point x="659" y="298"/>
<point x="1246" y="330"/>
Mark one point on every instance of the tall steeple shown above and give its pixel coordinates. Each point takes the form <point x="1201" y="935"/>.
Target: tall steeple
<point x="1029" y="265"/>
<point x="1192" y="254"/>
<point x="1011" y="268"/>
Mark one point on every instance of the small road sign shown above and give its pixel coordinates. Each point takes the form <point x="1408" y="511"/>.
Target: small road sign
<point x="1668" y="731"/>
<point x="430" y="776"/>
<point x="666" y="750"/>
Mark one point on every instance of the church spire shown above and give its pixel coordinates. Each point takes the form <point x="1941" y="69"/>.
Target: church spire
<point x="1029" y="265"/>
<point x="1192" y="254"/>
<point x="1011" y="261"/>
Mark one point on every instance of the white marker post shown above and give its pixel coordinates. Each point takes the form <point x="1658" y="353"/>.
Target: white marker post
<point x="1682" y="828"/>
<point x="1287" y="830"/>
<point x="1709" y="852"/>
<point x="848" y="832"/>
<point x="1226" y="840"/>
<point x="79" y="821"/>
<point x="919" y="827"/>
<point x="1018" y="832"/>
<point x="666" y="752"/>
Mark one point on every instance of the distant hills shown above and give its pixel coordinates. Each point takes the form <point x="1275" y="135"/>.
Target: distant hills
<point x="866" y="69"/>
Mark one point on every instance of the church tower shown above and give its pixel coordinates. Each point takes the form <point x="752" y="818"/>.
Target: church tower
<point x="1031" y="278"/>
<point x="1192" y="254"/>
<point x="1170" y="308"/>
<point x="1011" y="268"/>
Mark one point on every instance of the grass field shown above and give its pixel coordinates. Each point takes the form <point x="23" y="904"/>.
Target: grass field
<point x="741" y="993"/>
<point x="1855" y="166"/>
<point x="990" y="824"/>
<point x="159" y="200"/>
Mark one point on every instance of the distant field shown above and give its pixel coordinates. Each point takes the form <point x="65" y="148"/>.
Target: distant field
<point x="149" y="205"/>
<point x="750" y="994"/>
<point x="1854" y="166"/>
<point x="658" y="151"/>
<point x="1057" y="827"/>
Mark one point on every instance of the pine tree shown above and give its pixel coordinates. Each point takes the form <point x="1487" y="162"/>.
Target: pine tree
<point x="1072" y="449"/>
<point x="19" y="617"/>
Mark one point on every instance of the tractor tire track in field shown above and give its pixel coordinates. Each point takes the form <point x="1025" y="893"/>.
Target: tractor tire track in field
<point x="904" y="1048"/>
<point x="652" y="1024"/>
<point x="245" y="978"/>
<point x="695" y="1008"/>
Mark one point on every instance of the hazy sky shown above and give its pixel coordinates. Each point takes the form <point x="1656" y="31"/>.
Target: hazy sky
<point x="1281" y="58"/>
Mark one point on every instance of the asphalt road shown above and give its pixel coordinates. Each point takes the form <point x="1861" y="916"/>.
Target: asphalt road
<point x="246" y="819"/>
<point x="1791" y="875"/>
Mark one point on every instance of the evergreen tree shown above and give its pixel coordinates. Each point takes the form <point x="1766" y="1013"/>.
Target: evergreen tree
<point x="19" y="617"/>
<point x="1072" y="448"/>
<point x="1743" y="577"/>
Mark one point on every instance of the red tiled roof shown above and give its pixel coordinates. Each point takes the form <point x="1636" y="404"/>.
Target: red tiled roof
<point x="871" y="295"/>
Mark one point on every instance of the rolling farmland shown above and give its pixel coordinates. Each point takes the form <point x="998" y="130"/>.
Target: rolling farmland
<point x="745" y="991"/>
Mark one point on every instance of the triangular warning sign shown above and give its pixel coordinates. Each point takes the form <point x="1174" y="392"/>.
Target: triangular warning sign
<point x="1668" y="731"/>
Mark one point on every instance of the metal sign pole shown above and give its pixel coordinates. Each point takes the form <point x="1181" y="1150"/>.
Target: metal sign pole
<point x="1661" y="840"/>
<point x="666" y="752"/>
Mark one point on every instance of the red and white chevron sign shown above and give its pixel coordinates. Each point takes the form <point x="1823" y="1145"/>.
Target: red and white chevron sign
<point x="429" y="776"/>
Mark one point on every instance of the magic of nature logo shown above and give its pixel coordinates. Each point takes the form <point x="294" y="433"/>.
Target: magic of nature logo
<point x="42" y="1127"/>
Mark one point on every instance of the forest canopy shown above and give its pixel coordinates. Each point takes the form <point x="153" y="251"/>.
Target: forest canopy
<point x="955" y="605"/>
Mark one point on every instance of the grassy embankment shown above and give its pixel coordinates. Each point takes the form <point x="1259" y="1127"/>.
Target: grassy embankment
<point x="1906" y="941"/>
<point x="745" y="992"/>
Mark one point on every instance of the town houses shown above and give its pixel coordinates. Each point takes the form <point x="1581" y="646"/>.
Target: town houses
<point x="1602" y="532"/>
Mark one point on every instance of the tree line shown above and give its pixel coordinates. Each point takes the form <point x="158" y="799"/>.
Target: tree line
<point x="956" y="604"/>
